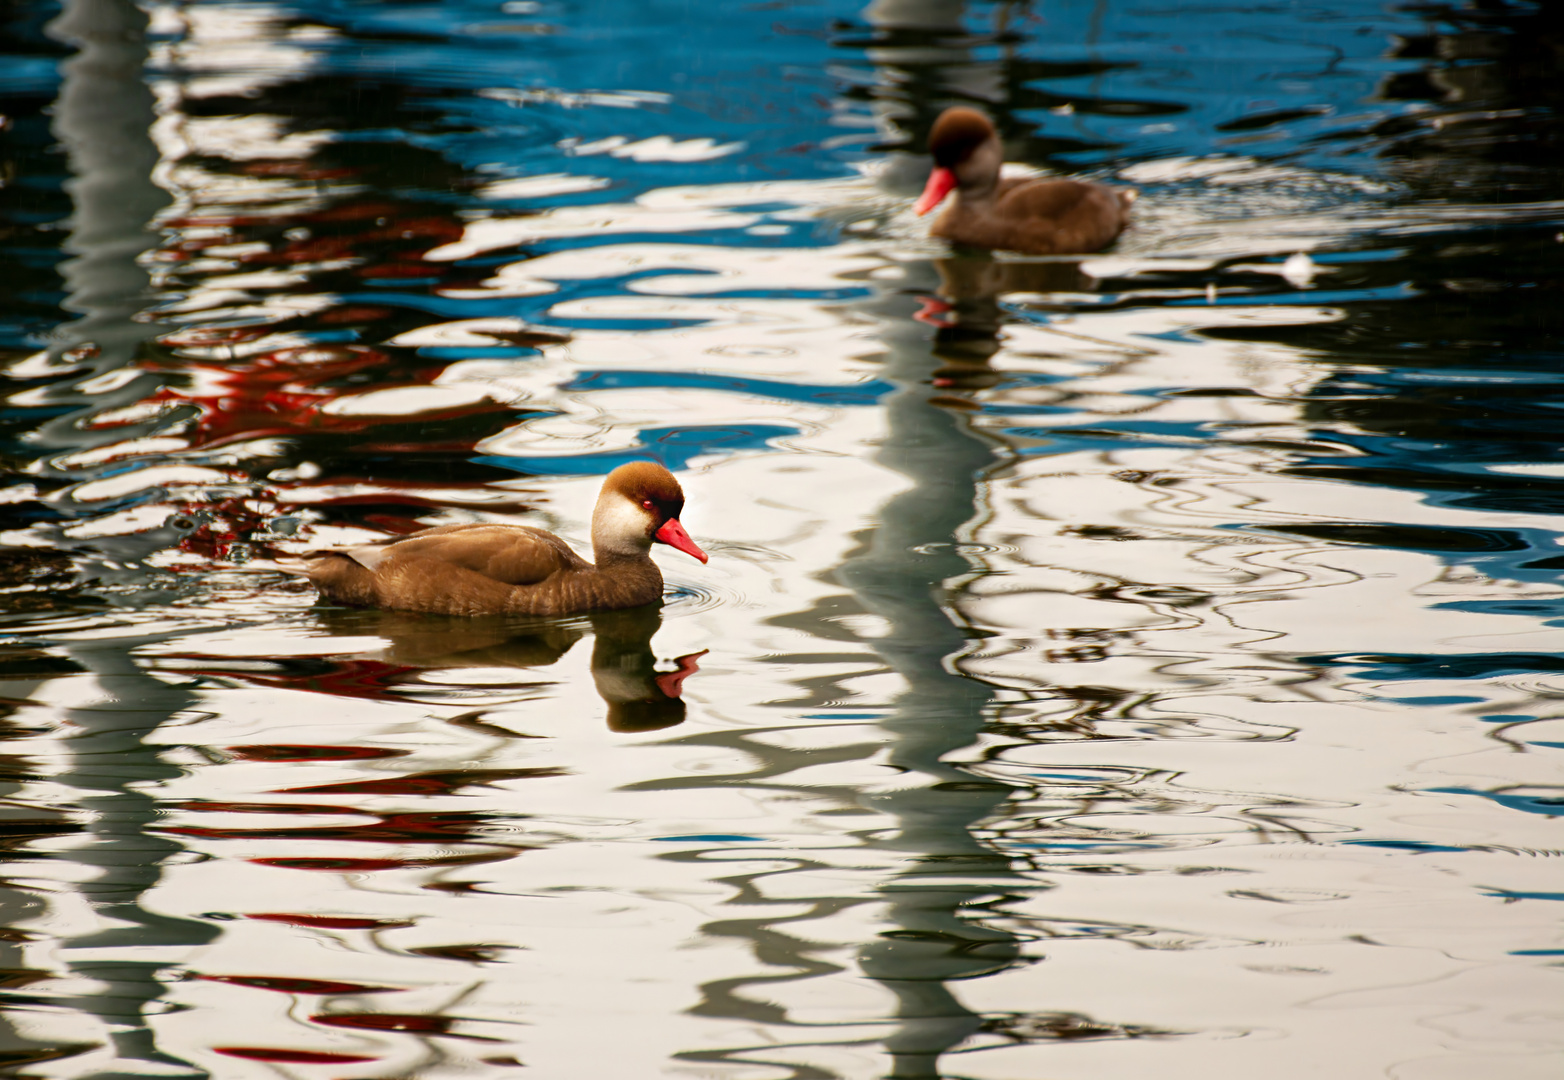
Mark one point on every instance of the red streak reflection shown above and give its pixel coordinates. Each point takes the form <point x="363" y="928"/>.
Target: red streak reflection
<point x="332" y="922"/>
<point x="307" y="752"/>
<point x="352" y="866"/>
<point x="295" y="1057"/>
<point x="414" y="1024"/>
<point x="285" y="985"/>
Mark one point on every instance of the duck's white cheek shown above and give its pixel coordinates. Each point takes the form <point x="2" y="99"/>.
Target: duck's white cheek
<point x="623" y="526"/>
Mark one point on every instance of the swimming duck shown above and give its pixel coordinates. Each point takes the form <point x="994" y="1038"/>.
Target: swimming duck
<point x="516" y="569"/>
<point x="1037" y="217"/>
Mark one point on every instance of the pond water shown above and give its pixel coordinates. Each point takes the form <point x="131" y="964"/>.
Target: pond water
<point x="1139" y="664"/>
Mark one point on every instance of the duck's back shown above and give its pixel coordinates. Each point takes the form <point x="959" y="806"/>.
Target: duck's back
<point x="471" y="569"/>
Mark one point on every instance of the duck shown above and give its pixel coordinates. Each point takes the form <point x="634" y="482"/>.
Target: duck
<point x="503" y="569"/>
<point x="1028" y="215"/>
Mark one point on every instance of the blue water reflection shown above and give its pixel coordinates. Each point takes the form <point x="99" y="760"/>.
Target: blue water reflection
<point x="673" y="447"/>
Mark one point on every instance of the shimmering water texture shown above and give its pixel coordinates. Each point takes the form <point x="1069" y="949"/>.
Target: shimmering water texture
<point x="1139" y="665"/>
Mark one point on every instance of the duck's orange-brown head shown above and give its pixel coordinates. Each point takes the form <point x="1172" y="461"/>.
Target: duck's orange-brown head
<point x="958" y="135"/>
<point x="654" y="498"/>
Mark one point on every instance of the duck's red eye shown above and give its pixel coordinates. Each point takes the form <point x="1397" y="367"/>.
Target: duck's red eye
<point x="648" y="504"/>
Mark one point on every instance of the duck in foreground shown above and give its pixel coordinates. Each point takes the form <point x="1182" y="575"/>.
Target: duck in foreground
<point x="1037" y="217"/>
<point x="515" y="569"/>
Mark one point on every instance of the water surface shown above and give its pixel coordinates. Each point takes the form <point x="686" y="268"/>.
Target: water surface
<point x="1106" y="666"/>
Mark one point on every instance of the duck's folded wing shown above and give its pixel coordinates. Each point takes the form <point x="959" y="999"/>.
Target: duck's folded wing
<point x="512" y="554"/>
<point x="1052" y="199"/>
<point x="1066" y="216"/>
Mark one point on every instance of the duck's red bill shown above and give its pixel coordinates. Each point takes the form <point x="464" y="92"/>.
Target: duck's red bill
<point x="673" y="534"/>
<point x="941" y="180"/>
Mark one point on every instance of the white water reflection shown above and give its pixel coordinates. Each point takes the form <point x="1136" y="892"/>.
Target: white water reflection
<point x="1147" y="721"/>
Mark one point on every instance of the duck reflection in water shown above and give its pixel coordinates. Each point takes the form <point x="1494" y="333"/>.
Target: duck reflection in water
<point x="967" y="315"/>
<point x="638" y="696"/>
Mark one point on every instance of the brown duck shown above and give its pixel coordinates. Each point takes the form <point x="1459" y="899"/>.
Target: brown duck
<point x="516" y="569"/>
<point x="1037" y="217"/>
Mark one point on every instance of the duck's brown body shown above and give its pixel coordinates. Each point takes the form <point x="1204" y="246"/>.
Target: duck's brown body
<point x="516" y="569"/>
<point x="1037" y="217"/>
<point x="482" y="570"/>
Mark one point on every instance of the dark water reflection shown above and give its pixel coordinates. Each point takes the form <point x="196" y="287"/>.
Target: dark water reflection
<point x="1136" y="663"/>
<point x="624" y="670"/>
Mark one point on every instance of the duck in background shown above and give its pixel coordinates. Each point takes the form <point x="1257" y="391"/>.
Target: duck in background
<point x="484" y="569"/>
<point x="1029" y="215"/>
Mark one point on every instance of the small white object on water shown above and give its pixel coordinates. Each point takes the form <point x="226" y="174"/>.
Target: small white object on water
<point x="1299" y="270"/>
<point x="1210" y="292"/>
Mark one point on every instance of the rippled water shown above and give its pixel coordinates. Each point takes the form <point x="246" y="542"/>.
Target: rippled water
<point x="1137" y="664"/>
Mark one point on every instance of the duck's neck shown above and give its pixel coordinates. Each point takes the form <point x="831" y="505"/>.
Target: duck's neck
<point x="977" y="196"/>
<point x="619" y="533"/>
<point x="977" y="178"/>
<point x="617" y="560"/>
